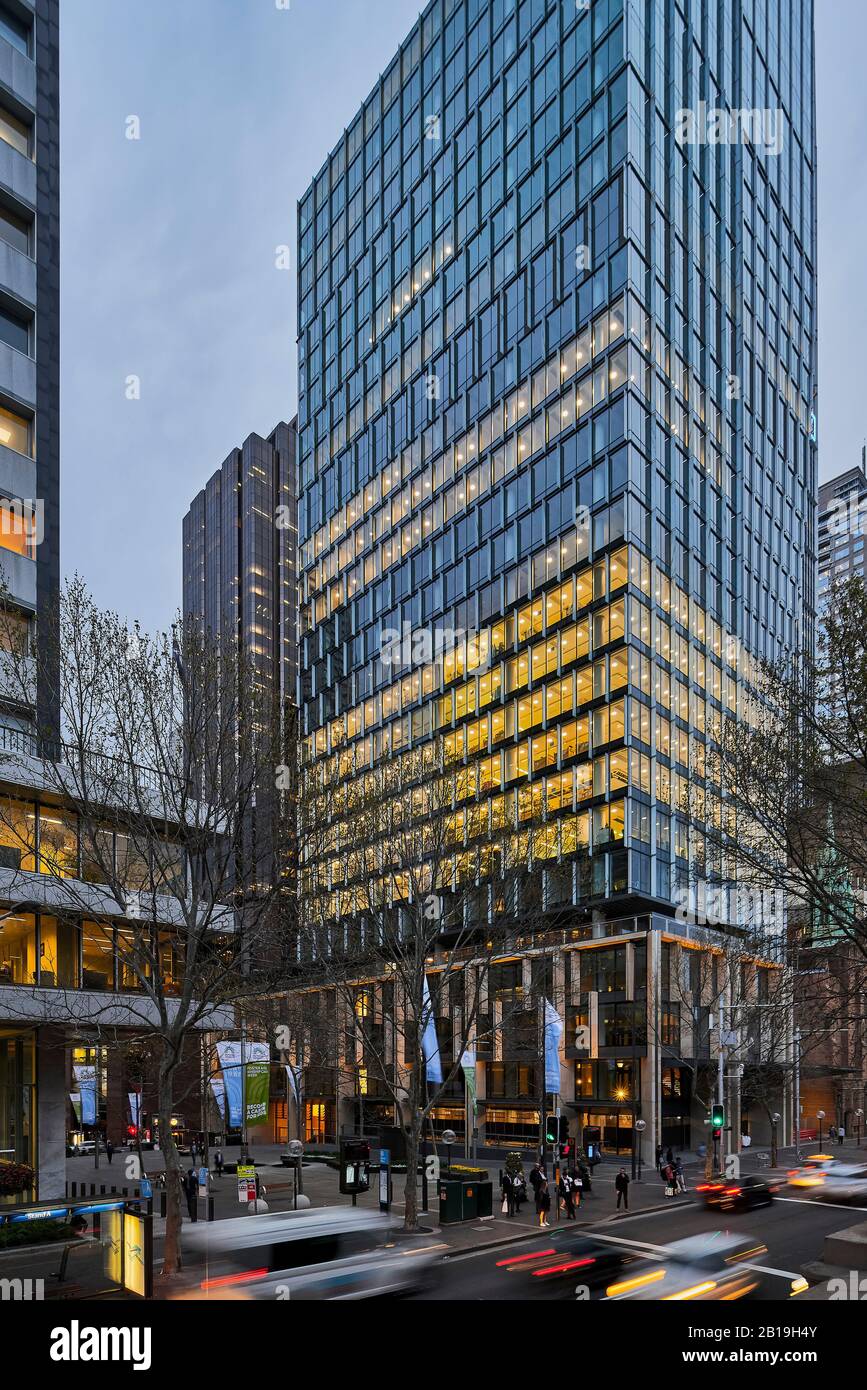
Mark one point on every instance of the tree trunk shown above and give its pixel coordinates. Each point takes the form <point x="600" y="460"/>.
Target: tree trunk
<point x="410" y="1219"/>
<point x="172" y="1238"/>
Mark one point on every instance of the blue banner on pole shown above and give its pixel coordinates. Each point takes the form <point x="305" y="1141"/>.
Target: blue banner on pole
<point x="430" y="1045"/>
<point x="553" y="1034"/>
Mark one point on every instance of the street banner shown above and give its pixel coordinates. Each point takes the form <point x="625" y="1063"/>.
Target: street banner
<point x="75" y="1097"/>
<point x="293" y="1080"/>
<point x="231" y="1060"/>
<point x="430" y="1045"/>
<point x="134" y="1107"/>
<point x="256" y="1091"/>
<point x="86" y="1080"/>
<point x="468" y="1067"/>
<point x="553" y="1034"/>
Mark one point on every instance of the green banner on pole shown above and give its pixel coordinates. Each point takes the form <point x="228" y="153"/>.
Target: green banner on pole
<point x="256" y="1092"/>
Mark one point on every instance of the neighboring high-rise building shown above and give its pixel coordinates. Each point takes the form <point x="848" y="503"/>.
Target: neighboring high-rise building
<point x="30" y="333"/>
<point x="842" y="528"/>
<point x="557" y="391"/>
<point x="240" y="557"/>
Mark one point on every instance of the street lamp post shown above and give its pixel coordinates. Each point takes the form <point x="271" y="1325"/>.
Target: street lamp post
<point x="775" y="1120"/>
<point x="820" y="1115"/>
<point x="638" y="1129"/>
<point x="859" y="1115"/>
<point x="449" y="1138"/>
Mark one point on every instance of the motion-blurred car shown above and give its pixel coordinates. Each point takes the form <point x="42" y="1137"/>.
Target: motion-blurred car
<point x="740" y="1195"/>
<point x="558" y="1262"/>
<point x="832" y="1181"/>
<point x="701" y="1268"/>
<point x="321" y="1253"/>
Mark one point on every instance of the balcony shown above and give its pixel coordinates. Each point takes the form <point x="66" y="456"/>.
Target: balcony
<point x="17" y="74"/>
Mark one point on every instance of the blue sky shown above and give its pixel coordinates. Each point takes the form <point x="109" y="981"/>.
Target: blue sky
<point x="168" y="248"/>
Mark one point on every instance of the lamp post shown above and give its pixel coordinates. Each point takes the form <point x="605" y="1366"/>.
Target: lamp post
<point x="639" y="1127"/>
<point x="449" y="1138"/>
<point x="775" y="1120"/>
<point x="820" y="1115"/>
<point x="859" y="1115"/>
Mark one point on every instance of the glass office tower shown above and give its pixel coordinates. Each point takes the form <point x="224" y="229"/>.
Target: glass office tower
<point x="557" y="400"/>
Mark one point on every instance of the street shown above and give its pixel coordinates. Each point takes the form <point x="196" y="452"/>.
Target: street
<point x="793" y="1230"/>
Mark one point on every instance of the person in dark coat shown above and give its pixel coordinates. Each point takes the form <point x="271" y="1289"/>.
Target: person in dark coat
<point x="537" y="1177"/>
<point x="191" y="1192"/>
<point x="519" y="1183"/>
<point x="584" y="1175"/>
<point x="508" y="1188"/>
<point x="568" y="1193"/>
<point x="621" y="1187"/>
<point x="218" y="1162"/>
<point x="109" y="1149"/>
<point x="669" y="1156"/>
<point x="659" y="1156"/>
<point x="543" y="1201"/>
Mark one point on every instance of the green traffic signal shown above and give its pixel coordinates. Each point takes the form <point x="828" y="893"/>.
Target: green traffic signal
<point x="718" y="1117"/>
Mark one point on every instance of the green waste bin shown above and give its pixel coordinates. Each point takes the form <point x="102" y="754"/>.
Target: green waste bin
<point x="451" y="1206"/>
<point x="470" y="1200"/>
<point x="486" y="1199"/>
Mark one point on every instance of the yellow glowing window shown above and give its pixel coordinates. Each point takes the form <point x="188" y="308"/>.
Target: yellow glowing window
<point x="18" y="530"/>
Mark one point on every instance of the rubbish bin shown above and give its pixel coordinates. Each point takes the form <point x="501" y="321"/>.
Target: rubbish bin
<point x="451" y="1207"/>
<point x="486" y="1198"/>
<point x="470" y="1200"/>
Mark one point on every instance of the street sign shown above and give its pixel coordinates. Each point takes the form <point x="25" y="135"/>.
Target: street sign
<point x="384" y="1180"/>
<point x="203" y="1182"/>
<point x="246" y="1182"/>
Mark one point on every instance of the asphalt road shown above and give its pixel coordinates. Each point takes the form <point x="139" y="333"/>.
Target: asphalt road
<point x="793" y="1229"/>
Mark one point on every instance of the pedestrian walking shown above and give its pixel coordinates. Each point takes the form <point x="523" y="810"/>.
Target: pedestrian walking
<point x="543" y="1202"/>
<point x="508" y="1187"/>
<point x="669" y="1156"/>
<point x="658" y="1156"/>
<point x="679" y="1175"/>
<point x="109" y="1150"/>
<point x="218" y="1162"/>
<point x="191" y="1191"/>
<point x="668" y="1177"/>
<point x="841" y="1135"/>
<point x="567" y="1192"/>
<point x="621" y="1187"/>
<point x="193" y="1150"/>
<point x="585" y="1178"/>
<point x="520" y="1189"/>
<point x="832" y="1133"/>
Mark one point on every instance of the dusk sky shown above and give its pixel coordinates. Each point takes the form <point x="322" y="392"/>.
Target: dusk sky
<point x="168" y="248"/>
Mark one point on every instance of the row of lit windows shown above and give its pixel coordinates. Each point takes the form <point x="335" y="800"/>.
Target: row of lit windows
<point x="569" y="645"/>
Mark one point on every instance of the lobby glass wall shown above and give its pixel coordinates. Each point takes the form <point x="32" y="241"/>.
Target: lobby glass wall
<point x="17" y="1098"/>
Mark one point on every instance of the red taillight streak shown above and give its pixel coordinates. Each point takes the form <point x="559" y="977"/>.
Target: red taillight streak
<point x="558" y="1269"/>
<point x="226" y="1279"/>
<point x="522" y="1259"/>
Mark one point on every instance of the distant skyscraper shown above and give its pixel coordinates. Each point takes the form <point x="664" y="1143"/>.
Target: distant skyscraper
<point x="842" y="528"/>
<point x="240" y="539"/>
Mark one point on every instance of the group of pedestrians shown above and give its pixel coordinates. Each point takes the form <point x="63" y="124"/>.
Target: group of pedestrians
<point x="837" y="1132"/>
<point x="670" y="1171"/>
<point x="573" y="1184"/>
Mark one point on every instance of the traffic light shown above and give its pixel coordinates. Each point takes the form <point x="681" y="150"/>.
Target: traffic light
<point x="556" y="1129"/>
<point x="718" y="1116"/>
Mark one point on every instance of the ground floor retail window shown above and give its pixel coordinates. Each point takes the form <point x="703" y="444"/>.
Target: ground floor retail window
<point x="615" y="1127"/>
<point x="318" y="1122"/>
<point x="17" y="1101"/>
<point x="506" y="1127"/>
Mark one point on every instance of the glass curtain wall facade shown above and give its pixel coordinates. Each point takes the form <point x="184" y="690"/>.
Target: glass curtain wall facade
<point x="557" y="403"/>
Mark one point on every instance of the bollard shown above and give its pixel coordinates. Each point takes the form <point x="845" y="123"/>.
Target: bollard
<point x="210" y="1209"/>
<point x="163" y="1203"/>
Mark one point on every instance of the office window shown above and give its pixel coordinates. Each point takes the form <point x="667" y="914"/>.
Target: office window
<point x="14" y="132"/>
<point x="15" y="432"/>
<point x="15" y="230"/>
<point x="14" y="331"/>
<point x="15" y="31"/>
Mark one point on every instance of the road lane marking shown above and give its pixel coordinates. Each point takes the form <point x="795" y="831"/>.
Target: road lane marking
<point x="814" y="1202"/>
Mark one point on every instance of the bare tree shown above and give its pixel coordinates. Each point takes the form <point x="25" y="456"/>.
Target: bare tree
<point x="406" y="902"/>
<point x="148" y="838"/>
